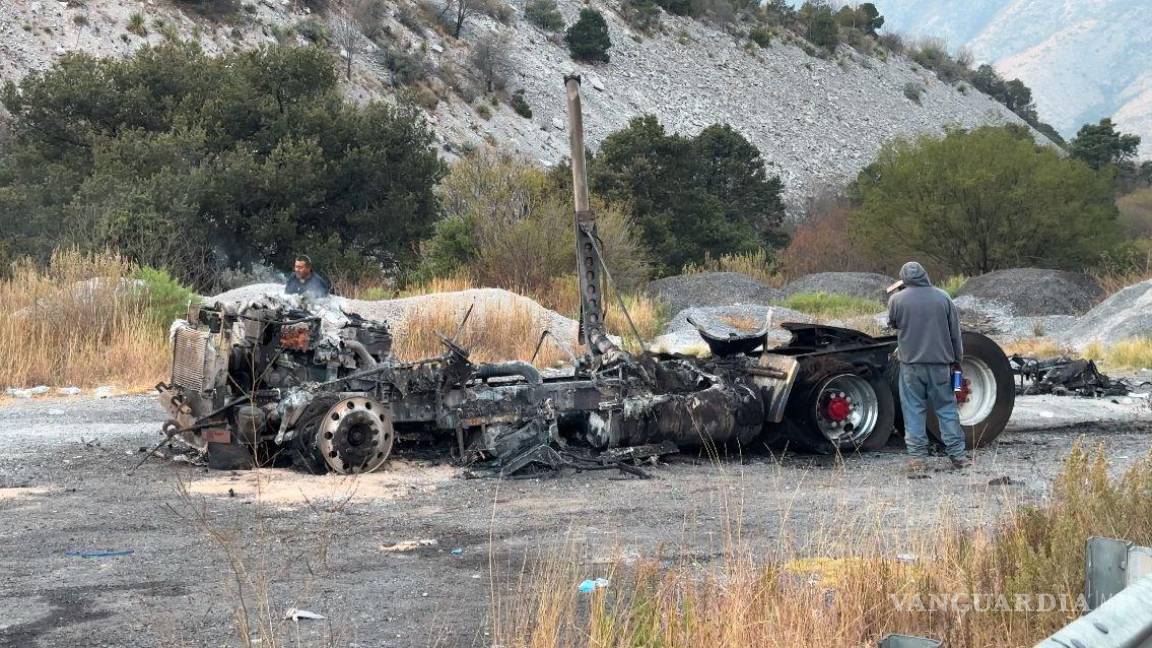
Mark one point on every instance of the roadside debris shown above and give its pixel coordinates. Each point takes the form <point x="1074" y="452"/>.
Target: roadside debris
<point x="16" y="392"/>
<point x="295" y="615"/>
<point x="593" y="585"/>
<point x="99" y="553"/>
<point x="1067" y="377"/>
<point x="410" y="545"/>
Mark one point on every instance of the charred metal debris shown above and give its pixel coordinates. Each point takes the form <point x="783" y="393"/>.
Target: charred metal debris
<point x="1065" y="376"/>
<point x="280" y="378"/>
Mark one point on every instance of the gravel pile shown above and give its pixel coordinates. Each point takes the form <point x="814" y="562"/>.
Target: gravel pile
<point x="489" y="303"/>
<point x="711" y="289"/>
<point x="1032" y="292"/>
<point x="679" y="336"/>
<point x="865" y="285"/>
<point x="1127" y="314"/>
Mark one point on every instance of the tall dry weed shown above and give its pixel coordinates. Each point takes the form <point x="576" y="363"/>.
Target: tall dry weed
<point x="967" y="586"/>
<point x="81" y="321"/>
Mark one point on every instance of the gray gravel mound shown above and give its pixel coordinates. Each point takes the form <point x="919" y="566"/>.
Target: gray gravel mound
<point x="1127" y="314"/>
<point x="711" y="289"/>
<point x="865" y="285"/>
<point x="1032" y="292"/>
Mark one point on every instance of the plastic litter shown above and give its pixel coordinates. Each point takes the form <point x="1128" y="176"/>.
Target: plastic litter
<point x="593" y="585"/>
<point x="295" y="615"/>
<point x="99" y="554"/>
<point x="457" y="552"/>
<point x="68" y="391"/>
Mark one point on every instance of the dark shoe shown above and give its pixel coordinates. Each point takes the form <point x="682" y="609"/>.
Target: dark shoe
<point x="916" y="466"/>
<point x="960" y="463"/>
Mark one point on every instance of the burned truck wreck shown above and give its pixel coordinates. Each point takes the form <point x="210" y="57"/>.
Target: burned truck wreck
<point x="283" y="378"/>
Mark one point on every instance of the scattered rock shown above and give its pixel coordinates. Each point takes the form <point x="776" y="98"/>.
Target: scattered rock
<point x="864" y="285"/>
<point x="1036" y="292"/>
<point x="711" y="289"/>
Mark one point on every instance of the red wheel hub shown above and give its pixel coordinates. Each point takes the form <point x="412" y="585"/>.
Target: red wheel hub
<point x="837" y="408"/>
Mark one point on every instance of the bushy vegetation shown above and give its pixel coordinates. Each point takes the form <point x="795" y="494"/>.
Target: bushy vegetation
<point x="193" y="163"/>
<point x="984" y="200"/>
<point x="508" y="223"/>
<point x="588" y="38"/>
<point x="544" y="14"/>
<point x="825" y="306"/>
<point x="690" y="196"/>
<point x="1103" y="147"/>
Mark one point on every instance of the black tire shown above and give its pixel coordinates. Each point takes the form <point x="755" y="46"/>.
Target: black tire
<point x="800" y="425"/>
<point x="304" y="453"/>
<point x="229" y="456"/>
<point x="982" y="433"/>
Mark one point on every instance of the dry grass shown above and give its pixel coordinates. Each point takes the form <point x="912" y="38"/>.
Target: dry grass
<point x="754" y="264"/>
<point x="61" y="327"/>
<point x="1038" y="347"/>
<point x="511" y="333"/>
<point x="1130" y="354"/>
<point x="846" y="590"/>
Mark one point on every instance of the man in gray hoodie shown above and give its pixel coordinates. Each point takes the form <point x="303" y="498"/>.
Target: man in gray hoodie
<point x="928" y="332"/>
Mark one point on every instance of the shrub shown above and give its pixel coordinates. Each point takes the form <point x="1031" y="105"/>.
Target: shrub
<point x="136" y="25"/>
<point x="484" y="111"/>
<point x="313" y="30"/>
<point x="588" y="38"/>
<point x="677" y="7"/>
<point x="892" y="42"/>
<point x="210" y="9"/>
<point x="824" y="243"/>
<point x="822" y="29"/>
<point x="826" y="306"/>
<point x="709" y="194"/>
<point x="644" y="15"/>
<point x="544" y="14"/>
<point x="914" y="91"/>
<point x="166" y="298"/>
<point x="761" y="35"/>
<point x="507" y="223"/>
<point x="953" y="284"/>
<point x="407" y="68"/>
<point x="520" y="105"/>
<point x="252" y="156"/>
<point x="1010" y="202"/>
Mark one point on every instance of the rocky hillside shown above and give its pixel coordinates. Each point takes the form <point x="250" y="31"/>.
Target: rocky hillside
<point x="1083" y="59"/>
<point x="816" y="121"/>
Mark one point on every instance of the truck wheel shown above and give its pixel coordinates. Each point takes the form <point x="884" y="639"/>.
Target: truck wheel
<point x="303" y="447"/>
<point x="350" y="435"/>
<point x="229" y="456"/>
<point x="989" y="392"/>
<point x="839" y="409"/>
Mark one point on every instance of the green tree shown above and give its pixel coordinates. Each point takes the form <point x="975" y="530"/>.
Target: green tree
<point x="822" y="28"/>
<point x="588" y="38"/>
<point x="1101" y="145"/>
<point x="544" y="14"/>
<point x="984" y="200"/>
<point x="193" y="163"/>
<point x="691" y="197"/>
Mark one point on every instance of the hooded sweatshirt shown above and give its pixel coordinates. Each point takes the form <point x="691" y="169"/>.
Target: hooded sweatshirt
<point x="926" y="320"/>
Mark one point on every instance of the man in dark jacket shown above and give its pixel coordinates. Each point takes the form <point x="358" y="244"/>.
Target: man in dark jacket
<point x="305" y="281"/>
<point x="928" y="328"/>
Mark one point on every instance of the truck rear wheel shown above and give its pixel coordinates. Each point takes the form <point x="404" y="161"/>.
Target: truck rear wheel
<point x="989" y="392"/>
<point x="837" y="408"/>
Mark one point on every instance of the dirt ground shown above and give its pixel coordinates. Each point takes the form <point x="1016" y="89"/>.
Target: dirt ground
<point x="351" y="549"/>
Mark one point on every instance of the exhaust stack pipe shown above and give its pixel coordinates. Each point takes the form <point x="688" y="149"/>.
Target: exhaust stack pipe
<point x="588" y="260"/>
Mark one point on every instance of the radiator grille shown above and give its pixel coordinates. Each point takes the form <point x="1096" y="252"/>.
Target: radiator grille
<point x="189" y="356"/>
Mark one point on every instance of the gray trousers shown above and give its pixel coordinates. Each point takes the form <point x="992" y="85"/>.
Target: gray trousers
<point x="924" y="385"/>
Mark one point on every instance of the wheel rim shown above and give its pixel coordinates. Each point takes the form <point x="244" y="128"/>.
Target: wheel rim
<point x="355" y="436"/>
<point x="978" y="397"/>
<point x="846" y="409"/>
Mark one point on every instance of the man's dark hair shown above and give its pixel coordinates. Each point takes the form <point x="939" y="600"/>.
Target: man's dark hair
<point x="305" y="258"/>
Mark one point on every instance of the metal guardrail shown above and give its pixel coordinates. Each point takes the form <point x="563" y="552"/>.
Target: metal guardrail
<point x="1118" y="591"/>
